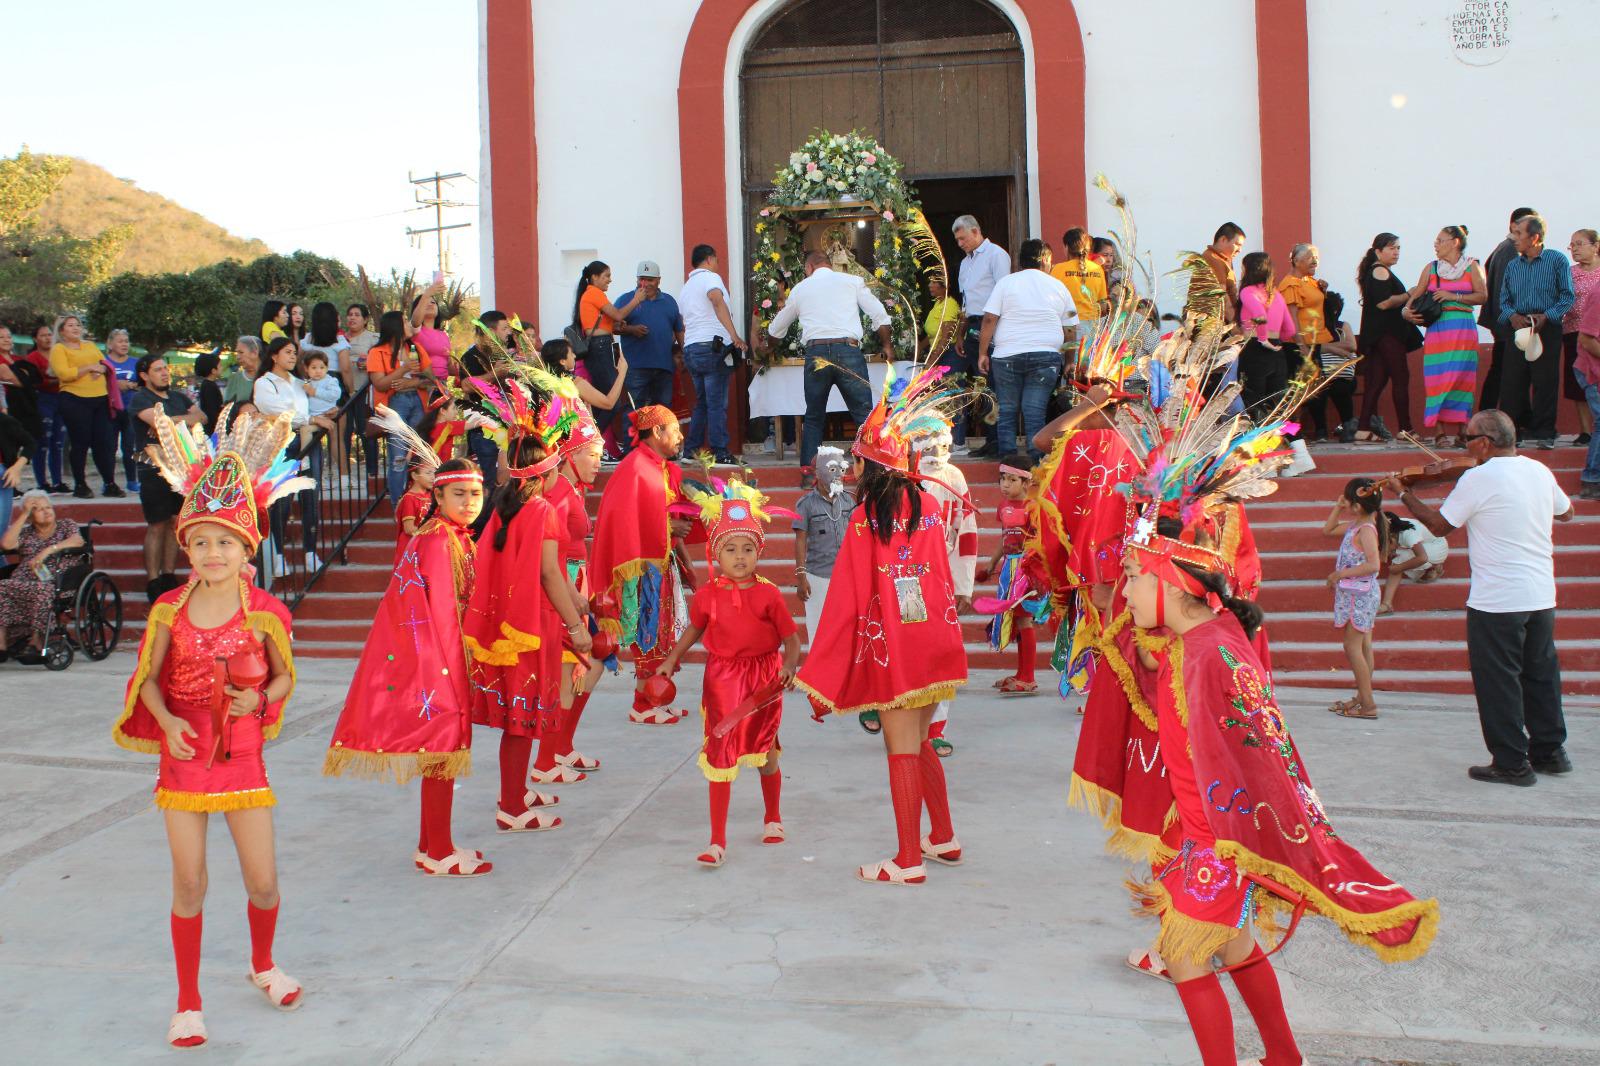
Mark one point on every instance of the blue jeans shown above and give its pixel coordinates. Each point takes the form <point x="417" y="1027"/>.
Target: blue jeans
<point x="710" y="419"/>
<point x="486" y="453"/>
<point x="52" y="444"/>
<point x="849" y="373"/>
<point x="961" y="366"/>
<point x="408" y="405"/>
<point x="646" y="385"/>
<point x="1591" y="393"/>
<point x="1023" y="383"/>
<point x="5" y="506"/>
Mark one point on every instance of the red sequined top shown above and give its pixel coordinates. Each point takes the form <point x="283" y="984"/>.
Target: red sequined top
<point x="1014" y="526"/>
<point x="573" y="518"/>
<point x="190" y="668"/>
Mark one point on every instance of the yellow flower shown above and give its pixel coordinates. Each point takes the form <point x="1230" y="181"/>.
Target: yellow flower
<point x="761" y="227"/>
<point x="776" y="257"/>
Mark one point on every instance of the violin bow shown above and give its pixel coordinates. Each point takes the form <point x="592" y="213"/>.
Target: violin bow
<point x="1416" y="442"/>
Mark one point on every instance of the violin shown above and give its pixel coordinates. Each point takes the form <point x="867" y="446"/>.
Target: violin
<point x="1440" y="472"/>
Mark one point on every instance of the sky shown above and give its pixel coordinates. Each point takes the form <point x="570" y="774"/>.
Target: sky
<point x="296" y="123"/>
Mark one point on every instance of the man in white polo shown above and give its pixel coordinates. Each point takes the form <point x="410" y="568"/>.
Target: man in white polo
<point x="982" y="266"/>
<point x="1507" y="503"/>
<point x="1030" y="317"/>
<point x="828" y="305"/>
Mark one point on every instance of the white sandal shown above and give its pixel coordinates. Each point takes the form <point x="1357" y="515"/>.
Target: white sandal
<point x="531" y="820"/>
<point x="1146" y="961"/>
<point x="457" y="864"/>
<point x="887" y="873"/>
<point x="579" y="761"/>
<point x="540" y="799"/>
<point x="279" y="987"/>
<point x="560" y="775"/>
<point x="655" y="716"/>
<point x="712" y="857"/>
<point x="948" y="853"/>
<point x="772" y="833"/>
<point x="186" y="1025"/>
<point x="418" y="859"/>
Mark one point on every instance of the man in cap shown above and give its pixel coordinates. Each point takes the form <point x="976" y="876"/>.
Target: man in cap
<point x="652" y="340"/>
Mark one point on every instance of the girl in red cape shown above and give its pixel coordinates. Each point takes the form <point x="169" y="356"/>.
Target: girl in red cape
<point x="408" y="711"/>
<point x="521" y="609"/>
<point x="213" y="676"/>
<point x="745" y="621"/>
<point x="889" y="639"/>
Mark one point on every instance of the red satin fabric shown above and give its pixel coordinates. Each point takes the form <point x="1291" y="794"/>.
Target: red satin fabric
<point x="1082" y="516"/>
<point x="523" y="696"/>
<point x="632" y="526"/>
<point x="744" y="629"/>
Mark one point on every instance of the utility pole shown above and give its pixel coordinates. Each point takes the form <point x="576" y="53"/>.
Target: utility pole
<point x="438" y="203"/>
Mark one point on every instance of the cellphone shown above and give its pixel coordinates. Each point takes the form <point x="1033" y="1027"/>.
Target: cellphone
<point x="438" y="276"/>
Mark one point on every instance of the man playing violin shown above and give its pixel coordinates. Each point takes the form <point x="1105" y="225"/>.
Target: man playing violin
<point x="1507" y="503"/>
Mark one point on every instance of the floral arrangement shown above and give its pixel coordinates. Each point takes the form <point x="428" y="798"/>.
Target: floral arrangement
<point x="843" y="169"/>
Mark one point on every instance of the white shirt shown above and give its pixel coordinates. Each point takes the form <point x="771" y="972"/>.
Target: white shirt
<point x="273" y="396"/>
<point x="1033" y="308"/>
<point x="829" y="305"/>
<point x="1415" y="535"/>
<point x="1507" y="505"/>
<point x="700" y="322"/>
<point x="981" y="270"/>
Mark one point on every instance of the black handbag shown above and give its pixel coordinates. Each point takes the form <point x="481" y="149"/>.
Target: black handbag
<point x="1428" y="306"/>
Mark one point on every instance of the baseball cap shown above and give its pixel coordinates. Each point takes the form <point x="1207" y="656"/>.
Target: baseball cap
<point x="648" y="268"/>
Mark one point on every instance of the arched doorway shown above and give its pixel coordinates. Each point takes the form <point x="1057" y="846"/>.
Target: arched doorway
<point x="941" y="83"/>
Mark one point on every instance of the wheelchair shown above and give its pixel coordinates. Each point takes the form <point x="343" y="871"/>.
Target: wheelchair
<point x="85" y="611"/>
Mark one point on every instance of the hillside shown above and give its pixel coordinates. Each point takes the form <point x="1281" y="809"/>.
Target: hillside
<point x="166" y="237"/>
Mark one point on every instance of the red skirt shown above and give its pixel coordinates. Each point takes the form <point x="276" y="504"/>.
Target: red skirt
<point x="230" y="784"/>
<point x="729" y="681"/>
<point x="523" y="698"/>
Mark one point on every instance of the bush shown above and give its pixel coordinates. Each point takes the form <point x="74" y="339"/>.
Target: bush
<point x="161" y="311"/>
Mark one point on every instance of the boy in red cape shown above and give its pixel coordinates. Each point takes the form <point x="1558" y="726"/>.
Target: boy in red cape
<point x="213" y="676"/>
<point x="638" y="552"/>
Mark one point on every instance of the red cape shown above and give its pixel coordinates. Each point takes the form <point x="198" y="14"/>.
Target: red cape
<point x="632" y="528"/>
<point x="407" y="713"/>
<point x="863" y="657"/>
<point x="511" y="631"/>
<point x="1081" y="515"/>
<point x="136" y="728"/>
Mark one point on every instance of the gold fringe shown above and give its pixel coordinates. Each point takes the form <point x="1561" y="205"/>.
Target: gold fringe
<point x="728" y="773"/>
<point x="945" y="690"/>
<point x="1107" y="807"/>
<point x="611" y="626"/>
<point x="1111" y="656"/>
<point x="1182" y="938"/>
<point x="1180" y="696"/>
<point x="272" y="626"/>
<point x="400" y="767"/>
<point x="212" y="802"/>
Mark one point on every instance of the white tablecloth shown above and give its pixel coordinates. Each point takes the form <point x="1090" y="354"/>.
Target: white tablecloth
<point x="781" y="390"/>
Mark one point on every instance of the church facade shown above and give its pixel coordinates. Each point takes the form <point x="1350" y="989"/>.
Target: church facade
<point x="623" y="131"/>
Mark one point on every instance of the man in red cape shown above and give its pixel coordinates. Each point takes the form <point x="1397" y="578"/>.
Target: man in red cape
<point x="638" y="566"/>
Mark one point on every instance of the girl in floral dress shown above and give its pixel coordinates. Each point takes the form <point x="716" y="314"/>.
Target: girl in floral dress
<point x="1354" y="581"/>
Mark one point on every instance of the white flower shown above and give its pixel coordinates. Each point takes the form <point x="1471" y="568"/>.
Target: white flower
<point x="861" y="169"/>
<point x="815" y="175"/>
<point x="796" y="159"/>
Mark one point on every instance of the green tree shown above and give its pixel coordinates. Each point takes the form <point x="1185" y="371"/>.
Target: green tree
<point x="42" y="275"/>
<point x="160" y="311"/>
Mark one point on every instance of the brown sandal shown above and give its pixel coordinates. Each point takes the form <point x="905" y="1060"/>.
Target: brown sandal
<point x="1357" y="712"/>
<point x="1340" y="706"/>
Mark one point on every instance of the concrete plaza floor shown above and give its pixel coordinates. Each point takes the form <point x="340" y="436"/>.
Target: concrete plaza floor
<point x="603" y="942"/>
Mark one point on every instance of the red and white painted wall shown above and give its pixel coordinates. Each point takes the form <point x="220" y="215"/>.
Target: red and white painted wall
<point x="610" y="127"/>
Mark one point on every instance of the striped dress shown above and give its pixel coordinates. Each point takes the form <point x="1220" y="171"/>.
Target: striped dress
<point x="1450" y="354"/>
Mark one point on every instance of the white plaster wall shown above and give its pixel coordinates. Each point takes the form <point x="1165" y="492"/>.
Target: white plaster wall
<point x="485" y="185"/>
<point x="1172" y="119"/>
<point x="1469" y="144"/>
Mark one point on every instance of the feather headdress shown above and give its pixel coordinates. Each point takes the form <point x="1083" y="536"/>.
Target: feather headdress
<point x="230" y="477"/>
<point x="911" y="408"/>
<point x="733" y="508"/>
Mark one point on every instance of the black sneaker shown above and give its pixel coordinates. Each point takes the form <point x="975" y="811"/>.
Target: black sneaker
<point x="83" y="492"/>
<point x="113" y="491"/>
<point x="1590" y="491"/>
<point x="1554" y="763"/>
<point x="1494" y="774"/>
<point x="727" y="459"/>
<point x="1379" y="429"/>
<point x="59" y="489"/>
<point x="1581" y="440"/>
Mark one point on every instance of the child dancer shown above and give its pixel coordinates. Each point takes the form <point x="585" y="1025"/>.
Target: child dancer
<point x="890" y="637"/>
<point x="745" y="621"/>
<point x="414" y="505"/>
<point x="214" y="674"/>
<point x="948" y="485"/>
<point x="1018" y="597"/>
<point x="407" y="713"/>
<point x="1354" y="581"/>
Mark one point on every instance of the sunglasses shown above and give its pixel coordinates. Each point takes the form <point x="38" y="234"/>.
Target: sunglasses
<point x="1468" y="438"/>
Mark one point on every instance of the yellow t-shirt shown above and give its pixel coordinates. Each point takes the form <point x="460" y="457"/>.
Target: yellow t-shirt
<point x="68" y="365"/>
<point x="270" y="330"/>
<point x="946" y="310"/>
<point x="1306" y="297"/>
<point x="1086" y="281"/>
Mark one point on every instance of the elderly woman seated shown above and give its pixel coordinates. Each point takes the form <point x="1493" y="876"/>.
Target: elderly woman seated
<point x="40" y="538"/>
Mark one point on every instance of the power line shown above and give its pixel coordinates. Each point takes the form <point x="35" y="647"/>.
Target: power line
<point x="438" y="202"/>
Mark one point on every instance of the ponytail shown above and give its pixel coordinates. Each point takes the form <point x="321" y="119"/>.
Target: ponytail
<point x="1367" y="495"/>
<point x="1379" y="243"/>
<point x="1249" y="615"/>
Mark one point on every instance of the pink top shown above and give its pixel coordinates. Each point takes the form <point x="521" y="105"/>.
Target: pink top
<point x="1279" y="324"/>
<point x="436" y="342"/>
<point x="1590" y="325"/>
<point x="1583" y="284"/>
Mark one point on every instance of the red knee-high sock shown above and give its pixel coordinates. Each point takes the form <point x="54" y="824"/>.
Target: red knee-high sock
<point x="422" y="833"/>
<point x="1207" y="1007"/>
<point x="721" y="792"/>
<point x="1027" y="652"/>
<point x="905" y="791"/>
<point x="1257" y="983"/>
<point x="550" y="743"/>
<point x="514" y="753"/>
<point x="569" y="722"/>
<point x="934" y="796"/>
<point x="263" y="926"/>
<point x="771" y="790"/>
<point x="186" y="952"/>
<point x="438" y="795"/>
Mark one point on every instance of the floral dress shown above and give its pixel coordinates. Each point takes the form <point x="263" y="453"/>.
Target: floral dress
<point x="1355" y="599"/>
<point x="25" y="599"/>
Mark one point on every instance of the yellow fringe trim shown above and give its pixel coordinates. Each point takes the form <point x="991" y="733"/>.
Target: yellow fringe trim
<point x="1182" y="938"/>
<point x="945" y="690"/>
<point x="399" y="767"/>
<point x="212" y="802"/>
<point x="163" y="614"/>
<point x="611" y="626"/>
<point x="1180" y="696"/>
<point x="1112" y="657"/>
<point x="728" y="773"/>
<point x="504" y="652"/>
<point x="1107" y="807"/>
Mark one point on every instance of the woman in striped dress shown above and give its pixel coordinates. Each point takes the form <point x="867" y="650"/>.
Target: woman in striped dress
<point x="1450" y="350"/>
